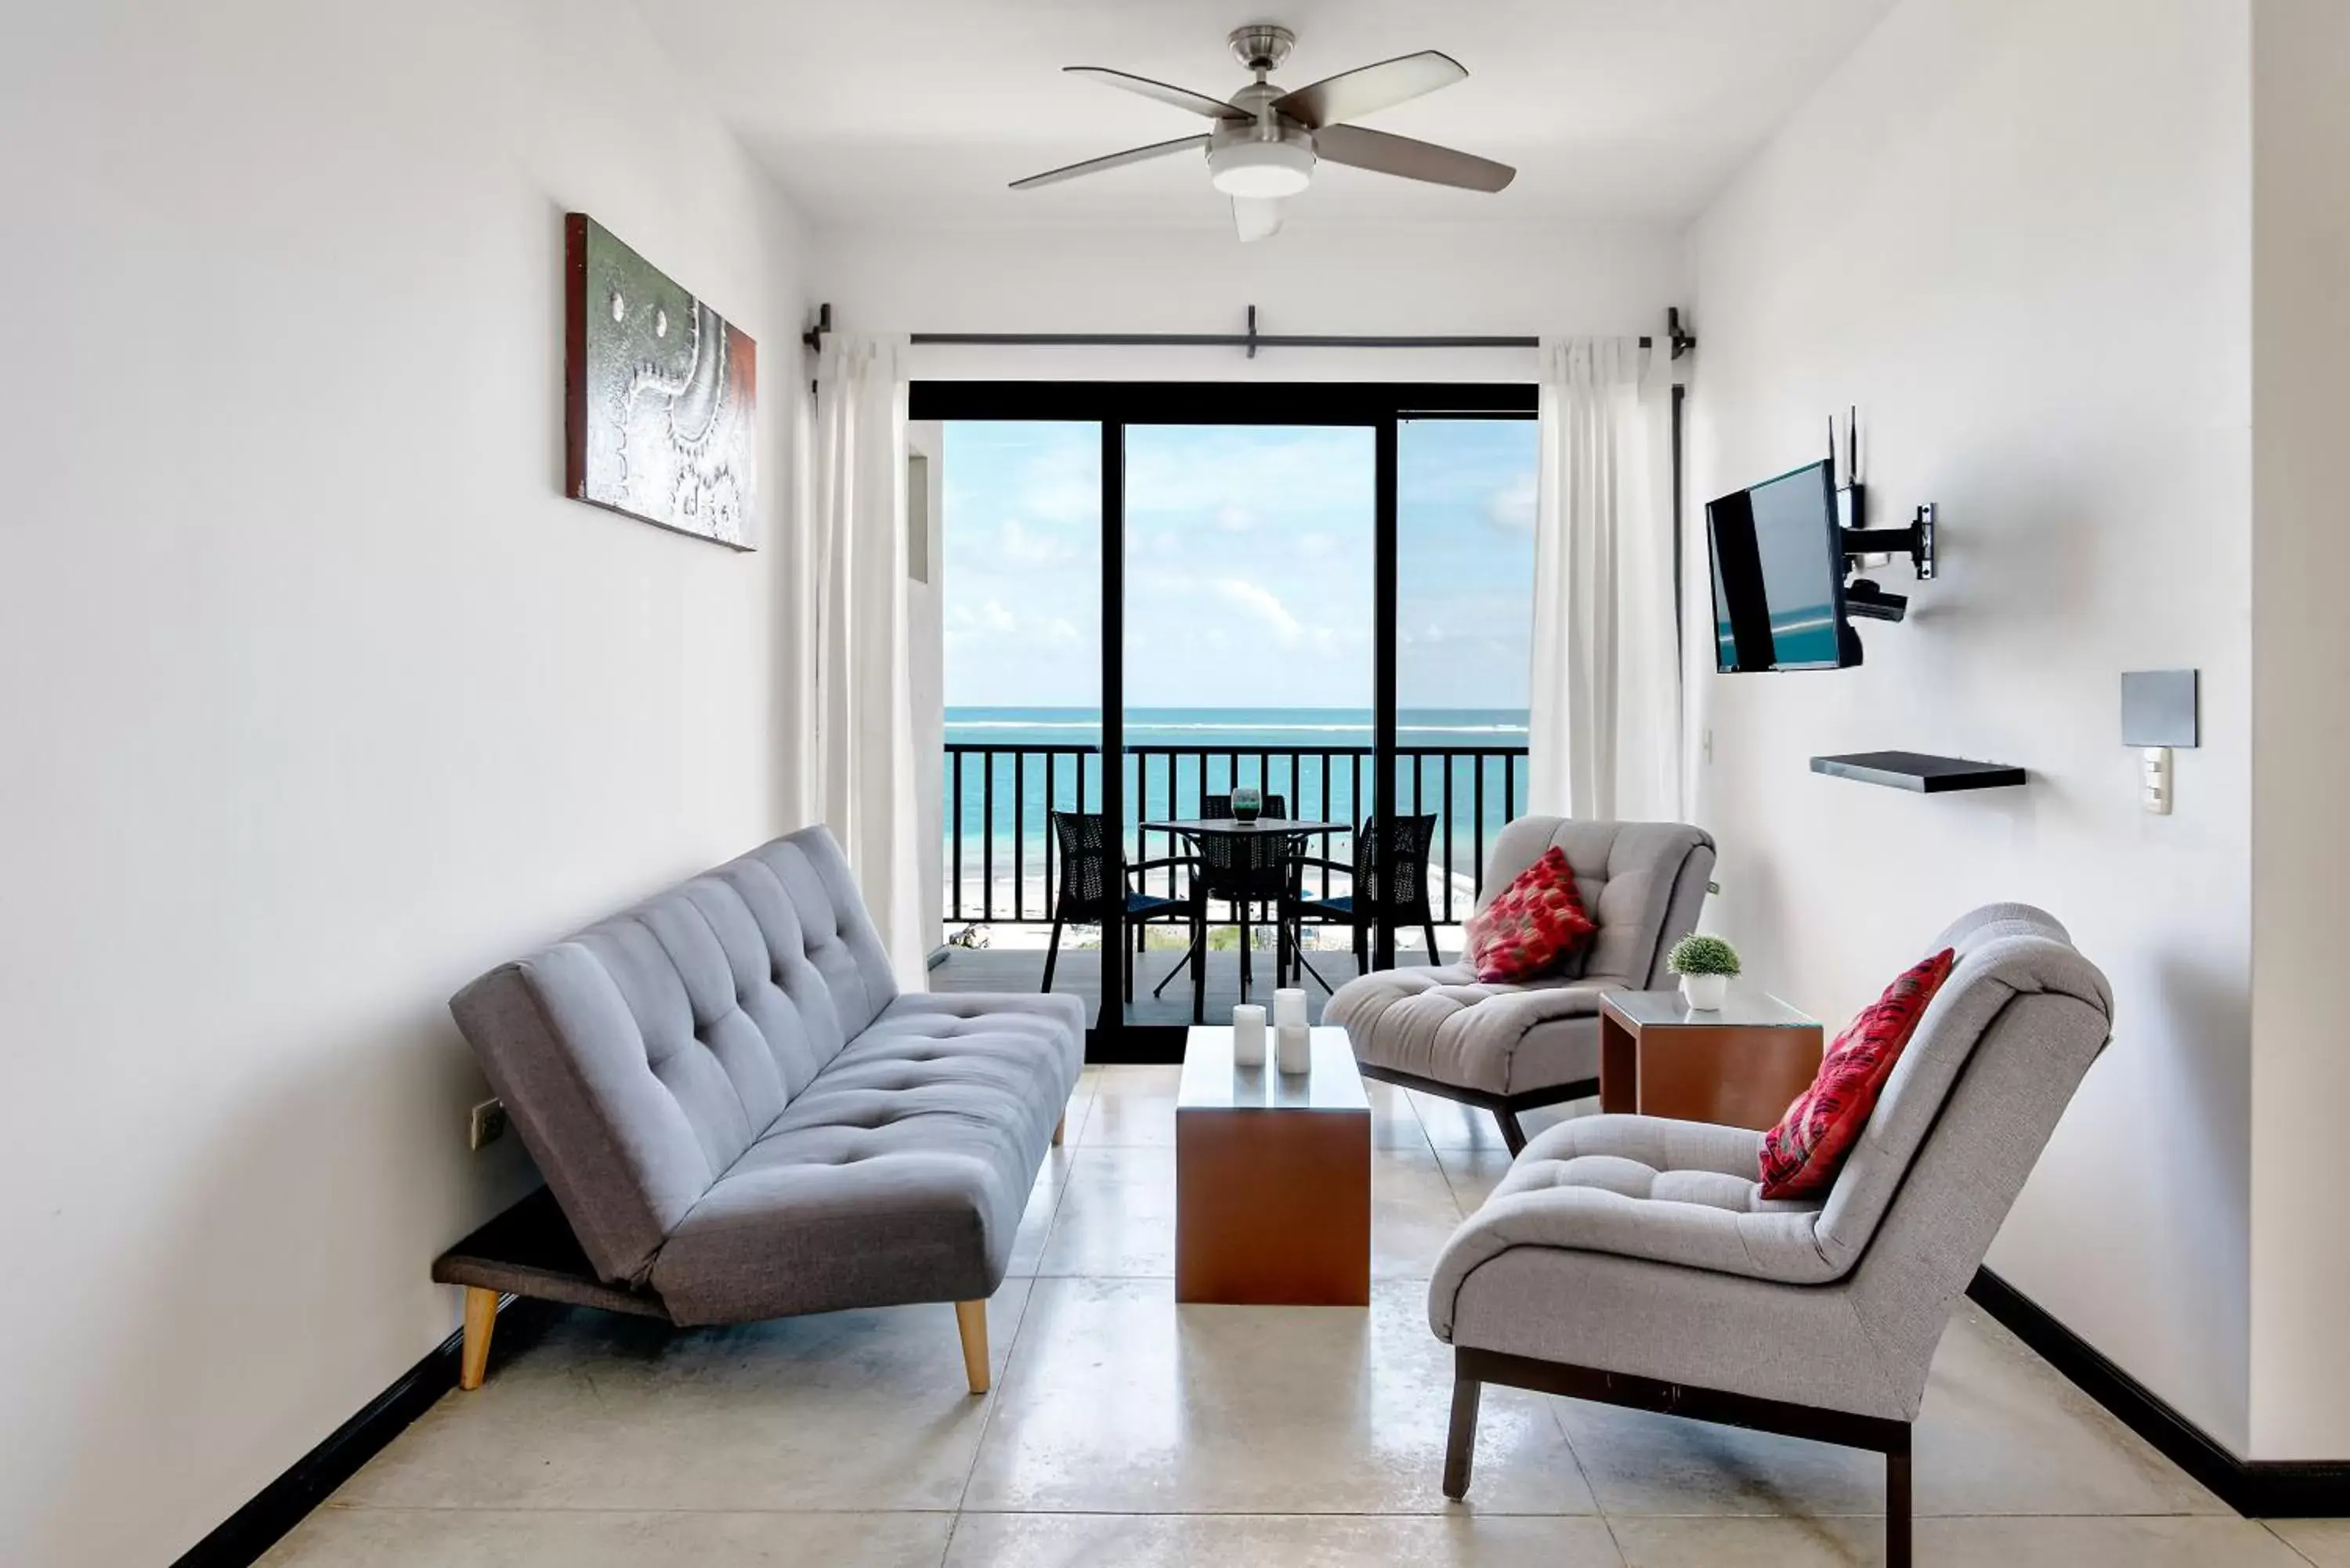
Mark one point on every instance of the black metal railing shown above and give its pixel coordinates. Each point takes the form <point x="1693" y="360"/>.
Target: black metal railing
<point x="998" y="798"/>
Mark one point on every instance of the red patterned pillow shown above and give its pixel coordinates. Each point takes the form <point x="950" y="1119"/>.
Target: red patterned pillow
<point x="1802" y="1155"/>
<point x="1532" y="925"/>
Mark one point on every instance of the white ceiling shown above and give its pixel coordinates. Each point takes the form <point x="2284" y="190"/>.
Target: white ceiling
<point x="894" y="111"/>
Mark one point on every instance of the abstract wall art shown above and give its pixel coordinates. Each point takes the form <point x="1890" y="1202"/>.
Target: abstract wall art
<point x="661" y="395"/>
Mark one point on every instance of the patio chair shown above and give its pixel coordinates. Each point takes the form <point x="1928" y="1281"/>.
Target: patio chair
<point x="1389" y="882"/>
<point x="1082" y="897"/>
<point x="1244" y="872"/>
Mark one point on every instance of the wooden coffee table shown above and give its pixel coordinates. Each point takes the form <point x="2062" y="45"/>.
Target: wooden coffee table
<point x="1740" y="1066"/>
<point x="1272" y="1178"/>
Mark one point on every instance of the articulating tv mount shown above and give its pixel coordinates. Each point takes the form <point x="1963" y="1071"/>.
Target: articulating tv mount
<point x="1862" y="597"/>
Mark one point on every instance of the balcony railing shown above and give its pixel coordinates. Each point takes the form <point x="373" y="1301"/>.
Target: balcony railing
<point x="1002" y="865"/>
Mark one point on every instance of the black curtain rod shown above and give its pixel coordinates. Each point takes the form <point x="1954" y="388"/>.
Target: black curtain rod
<point x="1251" y="340"/>
<point x="1218" y="341"/>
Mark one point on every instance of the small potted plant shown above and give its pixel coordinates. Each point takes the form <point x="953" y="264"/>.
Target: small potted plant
<point x="1705" y="965"/>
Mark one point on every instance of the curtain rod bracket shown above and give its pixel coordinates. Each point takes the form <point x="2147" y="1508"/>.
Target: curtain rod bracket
<point x="1681" y="341"/>
<point x="814" y="335"/>
<point x="1252" y="331"/>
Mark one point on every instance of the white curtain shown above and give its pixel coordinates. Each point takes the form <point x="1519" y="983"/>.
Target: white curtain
<point x="855" y="497"/>
<point x="1604" y="731"/>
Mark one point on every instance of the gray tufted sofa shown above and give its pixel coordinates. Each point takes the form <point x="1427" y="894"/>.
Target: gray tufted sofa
<point x="1634" y="1261"/>
<point x="1511" y="1048"/>
<point x="740" y="1117"/>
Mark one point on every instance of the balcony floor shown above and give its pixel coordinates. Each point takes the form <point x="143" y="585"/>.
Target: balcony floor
<point x="1079" y="973"/>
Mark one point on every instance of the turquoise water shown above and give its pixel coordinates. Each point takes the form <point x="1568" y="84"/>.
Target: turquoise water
<point x="1317" y="759"/>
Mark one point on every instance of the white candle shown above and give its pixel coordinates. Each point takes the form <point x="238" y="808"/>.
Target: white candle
<point x="1289" y="1006"/>
<point x="1296" y="1047"/>
<point x="1248" y="1036"/>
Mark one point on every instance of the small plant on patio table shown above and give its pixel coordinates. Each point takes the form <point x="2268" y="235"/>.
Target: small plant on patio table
<point x="1702" y="954"/>
<point x="1705" y="965"/>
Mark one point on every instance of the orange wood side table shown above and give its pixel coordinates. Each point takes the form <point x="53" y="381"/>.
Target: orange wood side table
<point x="1273" y="1176"/>
<point x="1740" y="1065"/>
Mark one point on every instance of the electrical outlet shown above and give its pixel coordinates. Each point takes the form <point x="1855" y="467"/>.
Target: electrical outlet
<point x="488" y="1123"/>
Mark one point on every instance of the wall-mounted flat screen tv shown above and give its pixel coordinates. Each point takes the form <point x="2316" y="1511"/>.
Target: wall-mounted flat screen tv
<point x="1778" y="576"/>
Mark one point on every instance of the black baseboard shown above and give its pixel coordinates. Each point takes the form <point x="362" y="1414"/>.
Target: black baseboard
<point x="244" y="1535"/>
<point x="2258" y="1488"/>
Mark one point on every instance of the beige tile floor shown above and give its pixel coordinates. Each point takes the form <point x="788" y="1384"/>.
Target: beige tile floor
<point x="1126" y="1429"/>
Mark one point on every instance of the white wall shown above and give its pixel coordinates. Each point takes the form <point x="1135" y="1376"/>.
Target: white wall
<point x="318" y="696"/>
<point x="2018" y="236"/>
<point x="1315" y="277"/>
<point x="2301" y="659"/>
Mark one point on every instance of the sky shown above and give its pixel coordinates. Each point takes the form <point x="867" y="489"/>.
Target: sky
<point x="1248" y="565"/>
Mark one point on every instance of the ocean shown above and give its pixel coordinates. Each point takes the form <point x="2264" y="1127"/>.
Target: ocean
<point x="1317" y="759"/>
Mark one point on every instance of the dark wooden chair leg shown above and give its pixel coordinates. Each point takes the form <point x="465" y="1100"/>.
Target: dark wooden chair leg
<point x="1513" y="1137"/>
<point x="1897" y="1547"/>
<point x="1460" y="1446"/>
<point x="1052" y="956"/>
<point x="1429" y="927"/>
<point x="1130" y="959"/>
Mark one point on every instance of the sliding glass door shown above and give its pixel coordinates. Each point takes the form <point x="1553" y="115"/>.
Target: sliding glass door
<point x="1464" y="645"/>
<point x="1249" y="616"/>
<point x="1018" y="588"/>
<point x="1156" y="597"/>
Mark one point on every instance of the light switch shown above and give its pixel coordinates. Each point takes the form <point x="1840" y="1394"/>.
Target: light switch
<point x="2154" y="780"/>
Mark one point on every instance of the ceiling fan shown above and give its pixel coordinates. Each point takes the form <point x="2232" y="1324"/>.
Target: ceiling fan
<point x="1266" y="141"/>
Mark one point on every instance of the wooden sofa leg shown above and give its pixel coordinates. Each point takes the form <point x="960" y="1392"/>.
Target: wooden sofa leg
<point x="970" y="1318"/>
<point x="1897" y="1510"/>
<point x="1060" y="1129"/>
<point x="481" y="1317"/>
<point x="1461" y="1447"/>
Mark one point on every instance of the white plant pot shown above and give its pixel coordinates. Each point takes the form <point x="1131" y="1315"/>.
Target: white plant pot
<point x="1705" y="992"/>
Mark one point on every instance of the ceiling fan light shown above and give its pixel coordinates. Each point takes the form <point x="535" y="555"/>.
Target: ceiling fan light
<point x="1261" y="169"/>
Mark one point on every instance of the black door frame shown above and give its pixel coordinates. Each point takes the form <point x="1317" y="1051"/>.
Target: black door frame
<point x="1379" y="406"/>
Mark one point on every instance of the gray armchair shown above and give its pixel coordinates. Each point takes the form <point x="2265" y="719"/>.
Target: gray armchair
<point x="1510" y="1048"/>
<point x="1633" y="1260"/>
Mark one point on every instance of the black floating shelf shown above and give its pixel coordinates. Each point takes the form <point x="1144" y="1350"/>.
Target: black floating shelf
<point x="1918" y="772"/>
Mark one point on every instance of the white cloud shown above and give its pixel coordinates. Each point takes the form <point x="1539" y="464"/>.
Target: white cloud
<point x="1029" y="547"/>
<point x="1062" y="486"/>
<point x="1235" y="519"/>
<point x="1512" y="505"/>
<point x="1263" y="604"/>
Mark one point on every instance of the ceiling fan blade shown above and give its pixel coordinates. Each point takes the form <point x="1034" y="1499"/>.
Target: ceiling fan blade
<point x="1384" y="154"/>
<point x="1256" y="217"/>
<point x="1112" y="161"/>
<point x="1181" y="97"/>
<point x="1366" y="89"/>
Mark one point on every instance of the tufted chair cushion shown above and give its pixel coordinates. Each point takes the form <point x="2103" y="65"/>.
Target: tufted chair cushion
<point x="641" y="1058"/>
<point x="1643" y="1187"/>
<point x="1643" y="884"/>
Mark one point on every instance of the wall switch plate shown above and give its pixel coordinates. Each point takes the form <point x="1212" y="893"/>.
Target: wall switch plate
<point x="488" y="1123"/>
<point x="2154" y="780"/>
